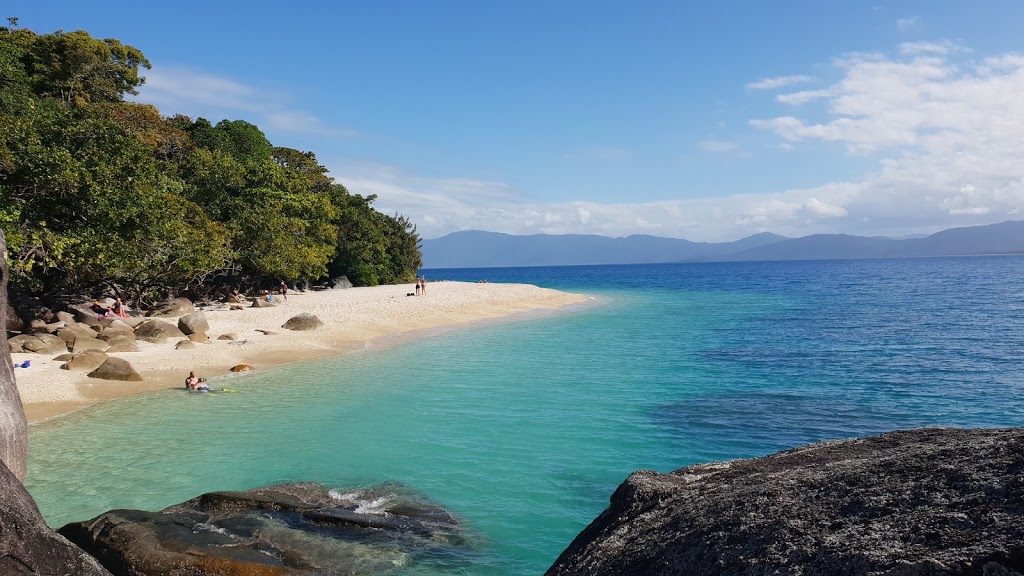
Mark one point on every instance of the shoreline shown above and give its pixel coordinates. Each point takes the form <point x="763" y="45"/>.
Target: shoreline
<point x="354" y="318"/>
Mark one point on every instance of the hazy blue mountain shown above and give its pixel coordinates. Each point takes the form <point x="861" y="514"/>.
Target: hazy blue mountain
<point x="478" y="249"/>
<point x="1003" y="238"/>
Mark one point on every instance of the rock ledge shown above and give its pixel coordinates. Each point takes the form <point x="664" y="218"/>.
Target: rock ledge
<point x="928" y="501"/>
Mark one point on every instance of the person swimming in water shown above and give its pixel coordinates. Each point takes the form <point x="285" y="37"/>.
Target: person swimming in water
<point x="195" y="384"/>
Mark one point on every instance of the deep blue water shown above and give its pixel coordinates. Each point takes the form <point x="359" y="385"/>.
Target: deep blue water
<point x="523" y="428"/>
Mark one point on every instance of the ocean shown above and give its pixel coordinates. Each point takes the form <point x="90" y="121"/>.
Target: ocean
<point x="524" y="427"/>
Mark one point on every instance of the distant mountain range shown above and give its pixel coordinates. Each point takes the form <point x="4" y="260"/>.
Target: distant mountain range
<point x="478" y="249"/>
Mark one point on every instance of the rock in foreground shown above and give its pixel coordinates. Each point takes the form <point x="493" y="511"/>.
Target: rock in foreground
<point x="289" y="529"/>
<point x="930" y="501"/>
<point x="28" y="545"/>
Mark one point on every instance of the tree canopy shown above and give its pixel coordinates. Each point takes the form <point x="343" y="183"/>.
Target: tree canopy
<point x="101" y="194"/>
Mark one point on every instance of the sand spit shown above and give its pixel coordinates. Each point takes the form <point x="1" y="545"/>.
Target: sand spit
<point x="352" y="317"/>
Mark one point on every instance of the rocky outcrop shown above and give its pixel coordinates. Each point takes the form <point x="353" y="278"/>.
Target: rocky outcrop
<point x="172" y="308"/>
<point x="241" y="368"/>
<point x="156" y="331"/>
<point x="28" y="545"/>
<point x="931" y="501"/>
<point x="42" y="343"/>
<point x="114" y="368"/>
<point x="85" y="361"/>
<point x="193" y="323"/>
<point x="13" y="426"/>
<point x="261" y="303"/>
<point x="304" y="321"/>
<point x="74" y="330"/>
<point x="293" y="529"/>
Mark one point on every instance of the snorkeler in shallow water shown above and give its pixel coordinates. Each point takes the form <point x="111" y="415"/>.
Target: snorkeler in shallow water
<point x="195" y="384"/>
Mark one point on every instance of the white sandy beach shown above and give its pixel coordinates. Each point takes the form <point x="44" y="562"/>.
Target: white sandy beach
<point x="352" y="317"/>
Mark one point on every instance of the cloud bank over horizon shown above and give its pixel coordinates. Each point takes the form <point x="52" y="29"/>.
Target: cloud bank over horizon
<point x="944" y="123"/>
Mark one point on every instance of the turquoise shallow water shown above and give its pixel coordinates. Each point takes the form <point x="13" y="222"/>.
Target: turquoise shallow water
<point x="523" y="428"/>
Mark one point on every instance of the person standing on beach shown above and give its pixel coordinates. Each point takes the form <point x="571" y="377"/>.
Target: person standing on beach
<point x="423" y="285"/>
<point x="417" y="286"/>
<point x="284" y="290"/>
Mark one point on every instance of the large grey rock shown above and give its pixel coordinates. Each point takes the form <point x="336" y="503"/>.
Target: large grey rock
<point x="172" y="308"/>
<point x="70" y="332"/>
<point x="342" y="282"/>
<point x="13" y="426"/>
<point x="293" y="529"/>
<point x="115" y="338"/>
<point x="304" y="321"/>
<point x="83" y="313"/>
<point x="119" y="325"/>
<point x="41" y="343"/>
<point x="82" y="344"/>
<point x="85" y="361"/>
<point x="261" y="303"/>
<point x="932" y="501"/>
<point x="193" y="323"/>
<point x="123" y="346"/>
<point x="156" y="331"/>
<point x="27" y="545"/>
<point x="114" y="368"/>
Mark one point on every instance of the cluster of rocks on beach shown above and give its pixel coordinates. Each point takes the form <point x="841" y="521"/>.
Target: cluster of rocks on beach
<point x="84" y="340"/>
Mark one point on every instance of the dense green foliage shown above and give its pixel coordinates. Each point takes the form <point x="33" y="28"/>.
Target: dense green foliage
<point x="100" y="194"/>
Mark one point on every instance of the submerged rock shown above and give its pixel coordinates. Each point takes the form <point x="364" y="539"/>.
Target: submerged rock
<point x="931" y="501"/>
<point x="289" y="529"/>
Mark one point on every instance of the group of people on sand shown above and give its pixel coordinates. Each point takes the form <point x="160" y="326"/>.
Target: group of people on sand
<point x="196" y="384"/>
<point x="236" y="298"/>
<point x="117" y="310"/>
<point x="421" y="286"/>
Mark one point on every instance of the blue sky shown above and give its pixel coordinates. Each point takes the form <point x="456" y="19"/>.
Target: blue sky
<point x="706" y="121"/>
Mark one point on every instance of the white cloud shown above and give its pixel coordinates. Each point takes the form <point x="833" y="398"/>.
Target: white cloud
<point x="915" y="48"/>
<point x="802" y="97"/>
<point x="195" y="93"/>
<point x="778" y="82"/>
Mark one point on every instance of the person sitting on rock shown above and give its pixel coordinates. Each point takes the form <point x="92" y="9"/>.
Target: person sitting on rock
<point x="119" y="309"/>
<point x="101" y="310"/>
<point x="235" y="297"/>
